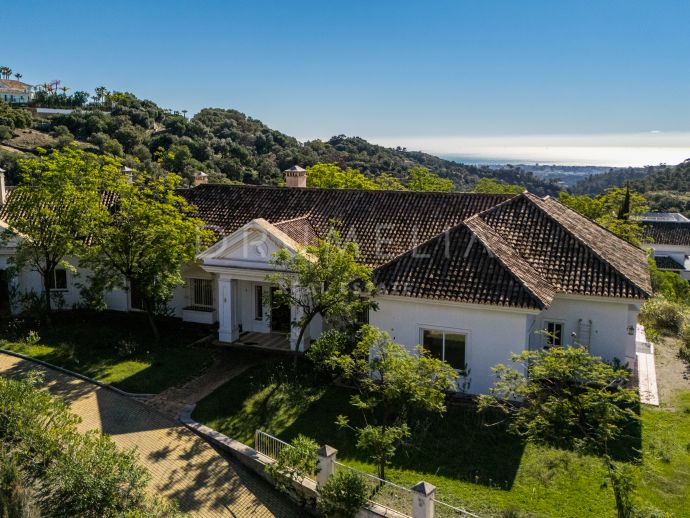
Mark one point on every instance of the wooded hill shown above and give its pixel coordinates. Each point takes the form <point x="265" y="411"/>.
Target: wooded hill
<point x="232" y="147"/>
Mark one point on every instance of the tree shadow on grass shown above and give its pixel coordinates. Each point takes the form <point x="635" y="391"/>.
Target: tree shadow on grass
<point x="456" y="445"/>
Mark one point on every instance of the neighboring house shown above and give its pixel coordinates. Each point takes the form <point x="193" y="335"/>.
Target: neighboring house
<point x="667" y="234"/>
<point x="15" y="92"/>
<point x="472" y="277"/>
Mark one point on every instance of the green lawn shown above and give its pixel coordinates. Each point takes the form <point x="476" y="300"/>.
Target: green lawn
<point x="482" y="469"/>
<point x="114" y="348"/>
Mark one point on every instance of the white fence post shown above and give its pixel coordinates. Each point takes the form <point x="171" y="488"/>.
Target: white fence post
<point x="325" y="466"/>
<point x="423" y="500"/>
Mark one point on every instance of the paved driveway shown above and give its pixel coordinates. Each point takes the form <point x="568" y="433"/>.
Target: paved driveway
<point x="183" y="466"/>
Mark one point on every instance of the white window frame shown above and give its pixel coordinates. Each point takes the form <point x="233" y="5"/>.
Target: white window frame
<point x="193" y="292"/>
<point x="450" y="330"/>
<point x="544" y="326"/>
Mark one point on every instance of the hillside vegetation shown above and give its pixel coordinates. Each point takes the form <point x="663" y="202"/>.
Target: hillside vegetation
<point x="229" y="146"/>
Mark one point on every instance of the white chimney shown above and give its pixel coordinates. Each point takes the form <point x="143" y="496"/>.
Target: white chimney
<point x="200" y="178"/>
<point x="129" y="172"/>
<point x="3" y="191"/>
<point x="295" y="177"/>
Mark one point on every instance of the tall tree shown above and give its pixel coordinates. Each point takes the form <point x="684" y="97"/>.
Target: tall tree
<point x="323" y="279"/>
<point x="147" y="238"/>
<point x="55" y="208"/>
<point x="491" y="186"/>
<point x="331" y="176"/>
<point x="421" y="179"/>
<point x="624" y="211"/>
<point x="606" y="209"/>
<point x="390" y="382"/>
<point x="566" y="397"/>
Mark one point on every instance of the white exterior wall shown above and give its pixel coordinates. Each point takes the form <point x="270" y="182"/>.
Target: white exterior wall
<point x="610" y="324"/>
<point x="680" y="254"/>
<point x="492" y="334"/>
<point x="247" y="301"/>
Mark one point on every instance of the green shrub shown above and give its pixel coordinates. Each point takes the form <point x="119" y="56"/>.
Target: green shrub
<point x="74" y="474"/>
<point x="92" y="477"/>
<point x="684" y="332"/>
<point x="5" y="133"/>
<point x="294" y="463"/>
<point x="343" y="495"/>
<point x="660" y="316"/>
<point x="15" y="499"/>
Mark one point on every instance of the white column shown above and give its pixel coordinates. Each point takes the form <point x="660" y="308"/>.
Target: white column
<point x="423" y="500"/>
<point x="325" y="466"/>
<point x="227" y="327"/>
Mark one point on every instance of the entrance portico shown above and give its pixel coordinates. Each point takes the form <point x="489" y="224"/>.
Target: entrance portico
<point x="240" y="264"/>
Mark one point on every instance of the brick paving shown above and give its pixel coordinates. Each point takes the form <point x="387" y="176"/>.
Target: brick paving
<point x="183" y="466"/>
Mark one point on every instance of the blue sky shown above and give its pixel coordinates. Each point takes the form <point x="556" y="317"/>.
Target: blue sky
<point x="415" y="73"/>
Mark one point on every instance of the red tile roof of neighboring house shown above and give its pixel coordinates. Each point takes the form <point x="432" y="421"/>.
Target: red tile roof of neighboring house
<point x="10" y="85"/>
<point x="674" y="233"/>
<point x="667" y="263"/>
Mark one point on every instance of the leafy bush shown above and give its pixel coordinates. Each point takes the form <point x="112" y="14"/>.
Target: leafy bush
<point x="294" y="463"/>
<point x="92" y="477"/>
<point x="660" y="316"/>
<point x="75" y="474"/>
<point x="343" y="495"/>
<point x="5" y="133"/>
<point x="669" y="285"/>
<point x="15" y="499"/>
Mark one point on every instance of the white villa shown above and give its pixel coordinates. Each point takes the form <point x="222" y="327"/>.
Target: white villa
<point x="15" y="92"/>
<point x="472" y="277"/>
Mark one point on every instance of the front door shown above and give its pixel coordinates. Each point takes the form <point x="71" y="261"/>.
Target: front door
<point x="280" y="315"/>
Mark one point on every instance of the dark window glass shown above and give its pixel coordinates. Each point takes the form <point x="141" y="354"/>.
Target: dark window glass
<point x="259" y="303"/>
<point x="433" y="342"/>
<point x="59" y="280"/>
<point x="454" y="350"/>
<point x="554" y="334"/>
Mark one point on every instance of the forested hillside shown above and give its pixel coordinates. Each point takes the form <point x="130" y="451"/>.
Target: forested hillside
<point x="232" y="147"/>
<point x="666" y="188"/>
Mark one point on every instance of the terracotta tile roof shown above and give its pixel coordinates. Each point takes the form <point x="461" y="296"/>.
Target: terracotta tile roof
<point x="572" y="253"/>
<point x="385" y="224"/>
<point x="458" y="267"/>
<point x="11" y="85"/>
<point x="515" y="251"/>
<point x="667" y="263"/>
<point x="299" y="229"/>
<point x="509" y="257"/>
<point x="667" y="233"/>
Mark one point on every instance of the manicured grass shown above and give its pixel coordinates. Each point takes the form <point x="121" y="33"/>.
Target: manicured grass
<point x="114" y="348"/>
<point x="481" y="468"/>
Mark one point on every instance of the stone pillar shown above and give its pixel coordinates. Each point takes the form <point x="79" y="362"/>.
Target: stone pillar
<point x="227" y="326"/>
<point x="325" y="466"/>
<point x="423" y="500"/>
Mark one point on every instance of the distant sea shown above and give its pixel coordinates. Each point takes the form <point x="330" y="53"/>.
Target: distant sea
<point x="473" y="160"/>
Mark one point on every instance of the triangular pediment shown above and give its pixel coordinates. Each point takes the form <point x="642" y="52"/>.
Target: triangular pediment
<point x="251" y="246"/>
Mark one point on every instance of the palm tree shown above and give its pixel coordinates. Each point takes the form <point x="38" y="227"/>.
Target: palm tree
<point x="5" y="72"/>
<point x="184" y="112"/>
<point x="100" y="92"/>
<point x="64" y="89"/>
<point x="18" y="76"/>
